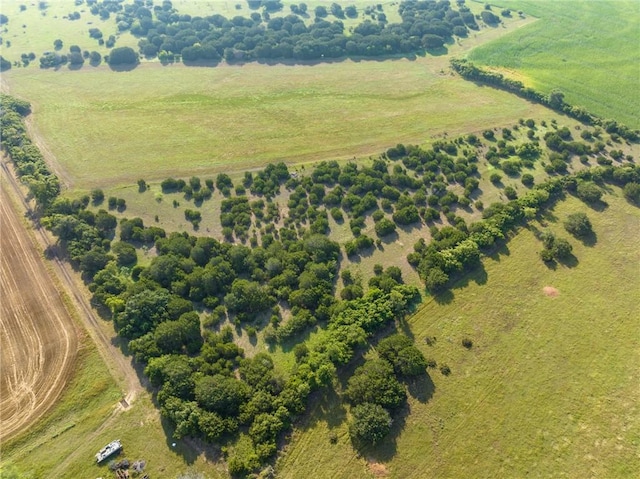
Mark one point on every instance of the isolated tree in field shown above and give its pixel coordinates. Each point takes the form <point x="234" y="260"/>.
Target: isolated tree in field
<point x="578" y="224"/>
<point x="370" y="423"/>
<point x="57" y="44"/>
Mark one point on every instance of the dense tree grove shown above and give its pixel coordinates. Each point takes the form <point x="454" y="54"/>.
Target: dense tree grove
<point x="171" y="309"/>
<point x="166" y="33"/>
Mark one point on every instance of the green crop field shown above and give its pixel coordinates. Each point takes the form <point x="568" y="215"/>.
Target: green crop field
<point x="549" y="387"/>
<point x="589" y="50"/>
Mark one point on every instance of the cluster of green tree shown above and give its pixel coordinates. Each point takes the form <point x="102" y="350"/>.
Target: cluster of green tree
<point x="375" y="390"/>
<point x="43" y="185"/>
<point x="166" y="33"/>
<point x="554" y="100"/>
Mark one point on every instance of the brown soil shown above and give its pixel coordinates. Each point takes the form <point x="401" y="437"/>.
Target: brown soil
<point x="38" y="340"/>
<point x="378" y="470"/>
<point x="550" y="291"/>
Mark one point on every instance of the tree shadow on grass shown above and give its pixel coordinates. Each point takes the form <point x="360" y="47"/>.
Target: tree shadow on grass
<point x="124" y="67"/>
<point x="589" y="240"/>
<point x="421" y="388"/>
<point x="570" y="261"/>
<point x="445" y="297"/>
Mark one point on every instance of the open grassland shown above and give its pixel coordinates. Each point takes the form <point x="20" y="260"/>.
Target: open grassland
<point x="107" y="128"/>
<point x="549" y="387"/>
<point x="589" y="50"/>
<point x="39" y="341"/>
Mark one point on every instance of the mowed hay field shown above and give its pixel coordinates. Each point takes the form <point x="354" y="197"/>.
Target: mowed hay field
<point x="589" y="50"/>
<point x="106" y="128"/>
<point x="549" y="388"/>
<point x="39" y="343"/>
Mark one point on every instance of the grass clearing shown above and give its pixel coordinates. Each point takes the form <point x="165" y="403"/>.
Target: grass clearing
<point x="157" y="122"/>
<point x="549" y="386"/>
<point x="589" y="50"/>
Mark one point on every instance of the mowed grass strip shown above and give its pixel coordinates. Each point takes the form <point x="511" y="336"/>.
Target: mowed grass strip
<point x="107" y="128"/>
<point x="549" y="387"/>
<point x="589" y="50"/>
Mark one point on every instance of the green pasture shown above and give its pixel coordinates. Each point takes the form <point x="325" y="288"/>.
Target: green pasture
<point x="549" y="387"/>
<point x="588" y="49"/>
<point x="107" y="128"/>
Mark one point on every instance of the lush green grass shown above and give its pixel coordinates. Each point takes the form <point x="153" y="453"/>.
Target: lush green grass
<point x="549" y="387"/>
<point x="153" y="122"/>
<point x="589" y="50"/>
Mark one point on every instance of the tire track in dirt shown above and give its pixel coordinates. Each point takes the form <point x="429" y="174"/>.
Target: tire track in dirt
<point x="38" y="338"/>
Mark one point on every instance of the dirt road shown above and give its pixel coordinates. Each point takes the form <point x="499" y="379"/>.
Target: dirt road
<point x="38" y="340"/>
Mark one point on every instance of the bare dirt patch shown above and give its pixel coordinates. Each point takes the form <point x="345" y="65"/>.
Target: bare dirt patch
<point x="38" y="340"/>
<point x="550" y="291"/>
<point x="378" y="470"/>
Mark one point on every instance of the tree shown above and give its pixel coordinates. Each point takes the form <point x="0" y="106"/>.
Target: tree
<point x="123" y="56"/>
<point x="374" y="382"/>
<point x="57" y="44"/>
<point x="556" y="98"/>
<point x="385" y="227"/>
<point x="589" y="192"/>
<point x="125" y="253"/>
<point x="402" y="354"/>
<point x="321" y="11"/>
<point x="631" y="192"/>
<point x="561" y="248"/>
<point x="578" y="224"/>
<point x="221" y="394"/>
<point x="369" y="424"/>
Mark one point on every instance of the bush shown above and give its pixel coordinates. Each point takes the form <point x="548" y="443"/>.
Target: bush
<point x="527" y="180"/>
<point x="123" y="56"/>
<point x="495" y="178"/>
<point x="589" y="192"/>
<point x="370" y="423"/>
<point x="467" y="343"/>
<point x="631" y="192"/>
<point x="578" y="224"/>
<point x="385" y="227"/>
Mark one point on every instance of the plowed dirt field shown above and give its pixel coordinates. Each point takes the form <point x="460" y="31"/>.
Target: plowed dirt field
<point x="38" y="339"/>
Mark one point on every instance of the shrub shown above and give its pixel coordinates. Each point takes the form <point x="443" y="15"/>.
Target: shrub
<point x="589" y="192"/>
<point x="385" y="227"/>
<point x="445" y="370"/>
<point x="370" y="423"/>
<point x="527" y="180"/>
<point x="631" y="192"/>
<point x="467" y="343"/>
<point x="578" y="224"/>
